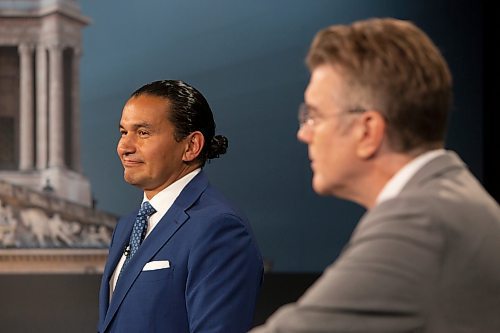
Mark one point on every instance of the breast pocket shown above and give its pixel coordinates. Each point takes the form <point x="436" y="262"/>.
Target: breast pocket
<point x="162" y="274"/>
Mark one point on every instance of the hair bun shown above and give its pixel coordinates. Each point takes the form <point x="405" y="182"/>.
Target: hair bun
<point x="218" y="146"/>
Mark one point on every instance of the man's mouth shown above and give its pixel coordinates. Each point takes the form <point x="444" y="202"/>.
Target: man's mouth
<point x="131" y="162"/>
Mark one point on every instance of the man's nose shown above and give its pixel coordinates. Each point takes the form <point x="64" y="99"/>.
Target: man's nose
<point x="125" y="145"/>
<point x="304" y="133"/>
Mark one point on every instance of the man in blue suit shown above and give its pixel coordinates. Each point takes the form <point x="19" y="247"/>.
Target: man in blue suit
<point x="186" y="261"/>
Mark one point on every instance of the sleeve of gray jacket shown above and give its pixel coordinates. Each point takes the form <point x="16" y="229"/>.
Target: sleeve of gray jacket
<point x="382" y="281"/>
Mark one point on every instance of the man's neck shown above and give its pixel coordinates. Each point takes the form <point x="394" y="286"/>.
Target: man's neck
<point x="183" y="172"/>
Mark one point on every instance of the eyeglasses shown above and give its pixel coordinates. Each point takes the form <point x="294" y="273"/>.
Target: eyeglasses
<point x="310" y="119"/>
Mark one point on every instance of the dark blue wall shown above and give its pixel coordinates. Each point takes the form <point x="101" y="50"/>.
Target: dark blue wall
<point x="247" y="57"/>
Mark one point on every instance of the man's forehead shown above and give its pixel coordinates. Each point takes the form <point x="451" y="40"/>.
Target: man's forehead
<point x="143" y="115"/>
<point x="324" y="82"/>
<point x="146" y="103"/>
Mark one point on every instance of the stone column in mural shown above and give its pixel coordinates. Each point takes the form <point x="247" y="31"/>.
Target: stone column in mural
<point x="26" y="152"/>
<point x="75" y="98"/>
<point x="41" y="107"/>
<point x="56" y="121"/>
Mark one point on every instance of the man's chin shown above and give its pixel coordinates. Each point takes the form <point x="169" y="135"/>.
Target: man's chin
<point x="319" y="187"/>
<point x="130" y="179"/>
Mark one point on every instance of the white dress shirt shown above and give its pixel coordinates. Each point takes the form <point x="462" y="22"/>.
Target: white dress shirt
<point x="161" y="202"/>
<point x="403" y="176"/>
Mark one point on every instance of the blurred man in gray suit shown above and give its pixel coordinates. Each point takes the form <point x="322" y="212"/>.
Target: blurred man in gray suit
<point x="425" y="257"/>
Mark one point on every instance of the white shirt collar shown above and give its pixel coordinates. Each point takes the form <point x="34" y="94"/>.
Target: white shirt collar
<point x="401" y="178"/>
<point x="164" y="199"/>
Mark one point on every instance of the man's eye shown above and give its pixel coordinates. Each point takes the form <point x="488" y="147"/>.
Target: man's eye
<point x="123" y="133"/>
<point x="313" y="115"/>
<point x="142" y="133"/>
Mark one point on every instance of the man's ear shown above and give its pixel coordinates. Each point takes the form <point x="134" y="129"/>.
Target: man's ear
<point x="194" y="145"/>
<point x="370" y="133"/>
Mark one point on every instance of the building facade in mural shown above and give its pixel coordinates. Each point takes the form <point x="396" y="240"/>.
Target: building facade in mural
<point x="45" y="200"/>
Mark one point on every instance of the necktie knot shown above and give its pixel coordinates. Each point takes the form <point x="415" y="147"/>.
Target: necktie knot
<point x="146" y="209"/>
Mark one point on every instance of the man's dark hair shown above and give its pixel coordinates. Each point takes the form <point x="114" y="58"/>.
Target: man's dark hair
<point x="189" y="112"/>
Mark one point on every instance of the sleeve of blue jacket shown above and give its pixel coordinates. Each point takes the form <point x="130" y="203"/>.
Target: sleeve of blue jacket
<point x="224" y="277"/>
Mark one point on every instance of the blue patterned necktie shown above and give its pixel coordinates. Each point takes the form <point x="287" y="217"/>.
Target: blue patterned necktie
<point x="138" y="231"/>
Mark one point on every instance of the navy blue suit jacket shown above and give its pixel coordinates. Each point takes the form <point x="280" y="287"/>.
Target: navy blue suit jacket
<point x="214" y="276"/>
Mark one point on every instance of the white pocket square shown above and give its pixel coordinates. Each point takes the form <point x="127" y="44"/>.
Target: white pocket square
<point x="154" y="265"/>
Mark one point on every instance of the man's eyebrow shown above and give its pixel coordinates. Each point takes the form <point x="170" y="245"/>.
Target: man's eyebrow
<point x="311" y="108"/>
<point x="138" y="125"/>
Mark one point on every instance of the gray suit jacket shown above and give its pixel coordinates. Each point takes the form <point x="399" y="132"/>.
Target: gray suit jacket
<point x="425" y="261"/>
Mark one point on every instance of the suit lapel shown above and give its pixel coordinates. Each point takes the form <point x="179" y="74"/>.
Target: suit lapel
<point x="120" y="241"/>
<point x="175" y="217"/>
